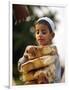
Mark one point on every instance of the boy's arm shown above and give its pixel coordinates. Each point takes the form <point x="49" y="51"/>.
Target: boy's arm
<point x="21" y="61"/>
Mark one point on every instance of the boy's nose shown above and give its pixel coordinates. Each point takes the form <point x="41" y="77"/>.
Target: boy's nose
<point x="40" y="33"/>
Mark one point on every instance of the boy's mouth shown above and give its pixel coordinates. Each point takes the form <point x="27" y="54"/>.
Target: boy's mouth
<point x="40" y="40"/>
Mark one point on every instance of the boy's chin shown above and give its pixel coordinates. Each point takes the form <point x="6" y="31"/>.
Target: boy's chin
<point x="42" y="44"/>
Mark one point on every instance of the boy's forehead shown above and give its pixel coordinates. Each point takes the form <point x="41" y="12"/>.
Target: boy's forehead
<point x="44" y="26"/>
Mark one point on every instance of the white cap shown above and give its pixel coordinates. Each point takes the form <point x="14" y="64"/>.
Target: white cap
<point x="48" y="20"/>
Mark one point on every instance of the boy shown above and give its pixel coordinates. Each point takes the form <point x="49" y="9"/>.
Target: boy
<point x="44" y="35"/>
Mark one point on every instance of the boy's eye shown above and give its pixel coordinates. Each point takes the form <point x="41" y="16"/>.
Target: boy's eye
<point x="43" y="32"/>
<point x="37" y="32"/>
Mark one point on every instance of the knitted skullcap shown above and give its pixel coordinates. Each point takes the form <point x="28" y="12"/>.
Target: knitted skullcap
<point x="51" y="23"/>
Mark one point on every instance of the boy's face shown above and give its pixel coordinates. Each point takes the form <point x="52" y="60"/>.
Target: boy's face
<point x="43" y="35"/>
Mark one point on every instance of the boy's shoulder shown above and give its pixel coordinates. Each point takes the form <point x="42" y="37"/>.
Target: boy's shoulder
<point x="54" y="47"/>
